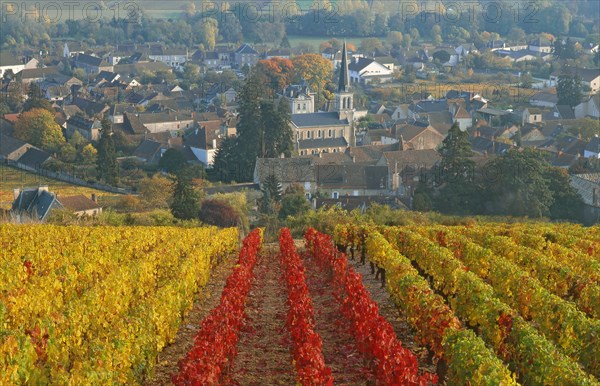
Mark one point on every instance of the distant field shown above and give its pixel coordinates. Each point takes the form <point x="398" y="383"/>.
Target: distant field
<point x="315" y="41"/>
<point x="11" y="178"/>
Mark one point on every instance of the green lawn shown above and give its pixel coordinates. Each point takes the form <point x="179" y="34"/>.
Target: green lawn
<point x="11" y="178"/>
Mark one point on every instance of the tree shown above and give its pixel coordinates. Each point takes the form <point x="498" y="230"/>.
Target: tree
<point x="395" y="38"/>
<point x="171" y="161"/>
<point x="293" y="205"/>
<point x="275" y="73"/>
<point x="516" y="185"/>
<point x="208" y="29"/>
<point x="371" y="45"/>
<point x="313" y="68"/>
<point x="569" y="90"/>
<point x="272" y="191"/>
<point x="516" y="35"/>
<point x="38" y="127"/>
<point x="441" y="56"/>
<point x="185" y="204"/>
<point x="89" y="153"/>
<point x="458" y="191"/>
<point x="107" y="168"/>
<point x="285" y="43"/>
<point x="155" y="192"/>
<point x="36" y="99"/>
<point x="567" y="203"/>
<point x="218" y="213"/>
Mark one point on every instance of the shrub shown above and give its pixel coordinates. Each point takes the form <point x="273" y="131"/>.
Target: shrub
<point x="219" y="213"/>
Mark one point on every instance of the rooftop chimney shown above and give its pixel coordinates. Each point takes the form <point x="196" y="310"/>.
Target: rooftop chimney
<point x="42" y="188"/>
<point x="214" y="143"/>
<point x="94" y="197"/>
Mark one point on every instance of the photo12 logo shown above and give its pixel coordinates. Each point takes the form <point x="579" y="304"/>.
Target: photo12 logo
<point x="52" y="12"/>
<point x="468" y="11"/>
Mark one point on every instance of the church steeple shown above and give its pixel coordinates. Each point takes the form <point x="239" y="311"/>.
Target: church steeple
<point x="344" y="82"/>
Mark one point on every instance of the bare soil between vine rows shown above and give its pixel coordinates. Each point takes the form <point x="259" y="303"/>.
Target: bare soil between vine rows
<point x="264" y="350"/>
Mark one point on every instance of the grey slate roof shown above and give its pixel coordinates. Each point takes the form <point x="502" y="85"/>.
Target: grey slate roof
<point x="147" y="149"/>
<point x="322" y="142"/>
<point x="287" y="170"/>
<point x="318" y="119"/>
<point x="585" y="185"/>
<point x="9" y="144"/>
<point x="34" y="203"/>
<point x="594" y="145"/>
<point x="34" y="157"/>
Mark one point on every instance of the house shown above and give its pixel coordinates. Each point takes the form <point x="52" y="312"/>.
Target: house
<point x="90" y="107"/>
<point x="406" y="168"/>
<point x="531" y="115"/>
<point x="172" y="57"/>
<point x="91" y="64"/>
<point x="540" y="46"/>
<point x="158" y="122"/>
<point x="245" y="55"/>
<point x="300" y="98"/>
<point x="11" y="148"/>
<point x="417" y="137"/>
<point x="590" y="77"/>
<point x="204" y="142"/>
<point x="520" y="56"/>
<point x="543" y="99"/>
<point x="561" y="112"/>
<point x="366" y="71"/>
<point x="283" y="53"/>
<point x="148" y="152"/>
<point x="81" y="205"/>
<point x="588" y="187"/>
<point x="34" y="204"/>
<point x="592" y="150"/>
<point x="339" y="180"/>
<point x="34" y="158"/>
<point x="36" y="75"/>
<point x="289" y="171"/>
<point x="589" y="108"/>
<point x="10" y="63"/>
<point x="88" y="128"/>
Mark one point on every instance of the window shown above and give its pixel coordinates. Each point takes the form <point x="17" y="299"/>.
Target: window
<point x="298" y="106"/>
<point x="308" y="135"/>
<point x="335" y="195"/>
<point x="304" y="106"/>
<point x="330" y="131"/>
<point x="318" y="133"/>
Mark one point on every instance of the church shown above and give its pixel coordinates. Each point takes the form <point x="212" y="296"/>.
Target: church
<point x="326" y="131"/>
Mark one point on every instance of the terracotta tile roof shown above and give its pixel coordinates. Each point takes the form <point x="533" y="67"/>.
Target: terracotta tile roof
<point x="78" y="203"/>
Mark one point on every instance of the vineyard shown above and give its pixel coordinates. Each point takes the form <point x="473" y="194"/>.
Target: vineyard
<point x="491" y="304"/>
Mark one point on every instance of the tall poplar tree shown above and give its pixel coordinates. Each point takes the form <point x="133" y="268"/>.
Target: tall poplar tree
<point x="106" y="161"/>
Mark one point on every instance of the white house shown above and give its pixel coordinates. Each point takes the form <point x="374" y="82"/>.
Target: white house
<point x="589" y="108"/>
<point x="590" y="77"/>
<point x="365" y="70"/>
<point x="9" y="62"/>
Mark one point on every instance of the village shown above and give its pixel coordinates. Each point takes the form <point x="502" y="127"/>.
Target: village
<point x="369" y="136"/>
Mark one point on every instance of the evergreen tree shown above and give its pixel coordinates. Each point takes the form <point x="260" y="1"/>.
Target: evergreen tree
<point x="519" y="187"/>
<point x="185" y="204"/>
<point x="272" y="191"/>
<point x="285" y="43"/>
<point x="106" y="161"/>
<point x="567" y="203"/>
<point x="458" y="190"/>
<point x="224" y="161"/>
<point x="36" y="100"/>
<point x="569" y="90"/>
<point x="250" y="141"/>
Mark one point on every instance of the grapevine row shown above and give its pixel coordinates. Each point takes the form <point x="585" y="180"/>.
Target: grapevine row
<point x="307" y="344"/>
<point x="436" y="324"/>
<point x="581" y="263"/>
<point x="394" y="364"/>
<point x="96" y="305"/>
<point x="533" y="357"/>
<point x="554" y="317"/>
<point x="215" y="343"/>
<point x="557" y="278"/>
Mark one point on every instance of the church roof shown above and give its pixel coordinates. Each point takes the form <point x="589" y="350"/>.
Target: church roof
<point x="344" y="81"/>
<point x="318" y="119"/>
